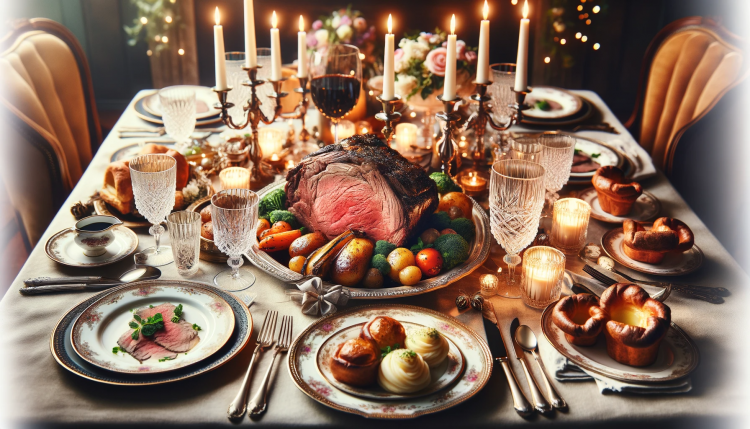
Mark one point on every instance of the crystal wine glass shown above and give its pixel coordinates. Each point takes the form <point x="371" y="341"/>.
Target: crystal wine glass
<point x="516" y="201"/>
<point x="336" y="79"/>
<point x="234" y="213"/>
<point x="154" y="178"/>
<point x="557" y="159"/>
<point x="526" y="148"/>
<point x="503" y="78"/>
<point x="178" y="113"/>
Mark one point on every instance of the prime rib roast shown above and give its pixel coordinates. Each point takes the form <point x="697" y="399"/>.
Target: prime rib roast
<point x="362" y="184"/>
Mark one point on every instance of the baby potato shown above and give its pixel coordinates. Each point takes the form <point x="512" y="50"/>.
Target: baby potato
<point x="459" y="200"/>
<point x="206" y="214"/>
<point x="373" y="279"/>
<point x="429" y="236"/>
<point x="263" y="225"/>
<point x="447" y="231"/>
<point x="297" y="263"/>
<point x="307" y="244"/>
<point x="410" y="275"/>
<point x="352" y="263"/>
<point x="399" y="259"/>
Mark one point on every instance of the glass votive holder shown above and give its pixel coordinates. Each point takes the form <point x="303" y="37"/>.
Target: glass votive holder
<point x="526" y="148"/>
<point x="542" y="273"/>
<point x="346" y="129"/>
<point x="570" y="223"/>
<point x="406" y="137"/>
<point x="271" y="141"/>
<point x="473" y="182"/>
<point x="363" y="127"/>
<point x="488" y="284"/>
<point x="235" y="178"/>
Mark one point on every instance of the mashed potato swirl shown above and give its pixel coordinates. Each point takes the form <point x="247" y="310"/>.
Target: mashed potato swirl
<point x="430" y="344"/>
<point x="403" y="371"/>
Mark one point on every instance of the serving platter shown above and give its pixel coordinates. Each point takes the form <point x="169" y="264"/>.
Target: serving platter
<point x="96" y="331"/>
<point x="569" y="103"/>
<point x="303" y="363"/>
<point x="204" y="101"/>
<point x="478" y="254"/>
<point x="62" y="248"/>
<point x="674" y="264"/>
<point x="63" y="352"/>
<point x="443" y="376"/>
<point x="678" y="355"/>
<point x="645" y="208"/>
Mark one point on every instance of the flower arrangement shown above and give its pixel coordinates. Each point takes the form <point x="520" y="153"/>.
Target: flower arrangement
<point x="350" y="27"/>
<point x="420" y="63"/>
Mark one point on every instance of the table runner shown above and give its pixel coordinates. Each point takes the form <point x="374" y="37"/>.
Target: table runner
<point x="37" y="390"/>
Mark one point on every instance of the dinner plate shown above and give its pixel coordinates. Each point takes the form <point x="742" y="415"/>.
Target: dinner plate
<point x="132" y="150"/>
<point x="96" y="331"/>
<point x="587" y="110"/>
<point x="674" y="264"/>
<point x="205" y="99"/>
<point x="142" y="113"/>
<point x="303" y="363"/>
<point x="62" y="248"/>
<point x="645" y="208"/>
<point x="563" y="103"/>
<point x="478" y="254"/>
<point x="443" y="375"/>
<point x="63" y="352"/>
<point x="677" y="357"/>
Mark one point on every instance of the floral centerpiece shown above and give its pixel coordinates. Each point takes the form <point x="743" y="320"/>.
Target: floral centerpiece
<point x="420" y="65"/>
<point x="350" y="27"/>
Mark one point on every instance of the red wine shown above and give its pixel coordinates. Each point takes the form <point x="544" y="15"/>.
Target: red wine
<point x="335" y="94"/>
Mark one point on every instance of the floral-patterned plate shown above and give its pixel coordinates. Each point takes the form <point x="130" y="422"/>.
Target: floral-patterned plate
<point x="678" y="355"/>
<point x="443" y="375"/>
<point x="62" y="248"/>
<point x="303" y="363"/>
<point x="96" y="331"/>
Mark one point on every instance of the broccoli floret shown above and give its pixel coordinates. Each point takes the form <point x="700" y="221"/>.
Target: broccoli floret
<point x="274" y="200"/>
<point x="439" y="221"/>
<point x="464" y="227"/>
<point x="444" y="183"/>
<point x="288" y="217"/>
<point x="453" y="248"/>
<point x="384" y="248"/>
<point x="379" y="262"/>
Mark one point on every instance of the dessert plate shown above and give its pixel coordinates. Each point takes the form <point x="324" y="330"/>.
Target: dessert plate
<point x="674" y="264"/>
<point x="62" y="248"/>
<point x="304" y="352"/>
<point x="63" y="352"/>
<point x="442" y="376"/>
<point x="678" y="355"/>
<point x="562" y="103"/>
<point x="645" y="208"/>
<point x="97" y="329"/>
<point x="204" y="101"/>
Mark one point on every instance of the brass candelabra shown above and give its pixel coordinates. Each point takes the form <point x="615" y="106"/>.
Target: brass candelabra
<point x="301" y="110"/>
<point x="388" y="115"/>
<point x="447" y="148"/>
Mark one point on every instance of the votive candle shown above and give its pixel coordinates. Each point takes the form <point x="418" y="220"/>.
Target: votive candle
<point x="235" y="178"/>
<point x="570" y="222"/>
<point x="542" y="273"/>
<point x="346" y="129"/>
<point x="488" y="284"/>
<point x="271" y="141"/>
<point x="406" y="137"/>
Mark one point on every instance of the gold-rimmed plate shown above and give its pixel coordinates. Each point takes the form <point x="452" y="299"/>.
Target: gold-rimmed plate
<point x="562" y="103"/>
<point x="204" y="101"/>
<point x="62" y="248"/>
<point x="645" y="208"/>
<point x="142" y="113"/>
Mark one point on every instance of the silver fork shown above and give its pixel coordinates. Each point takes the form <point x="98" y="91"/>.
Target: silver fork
<point x="265" y="339"/>
<point x="259" y="402"/>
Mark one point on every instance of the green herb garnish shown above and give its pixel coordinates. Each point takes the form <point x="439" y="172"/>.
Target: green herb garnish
<point x="543" y="105"/>
<point x="177" y="314"/>
<point x="117" y="349"/>
<point x="166" y="358"/>
<point x="408" y="354"/>
<point x="150" y="306"/>
<point x="196" y="327"/>
<point x="148" y="327"/>
<point x="387" y="349"/>
<point x="596" y="155"/>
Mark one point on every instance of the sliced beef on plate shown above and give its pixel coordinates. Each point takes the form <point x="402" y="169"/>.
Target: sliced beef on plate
<point x="360" y="184"/>
<point x="143" y="348"/>
<point x="177" y="337"/>
<point x="583" y="163"/>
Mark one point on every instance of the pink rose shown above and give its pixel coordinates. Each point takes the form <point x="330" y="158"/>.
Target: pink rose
<point x="471" y="57"/>
<point x="398" y="54"/>
<point x="311" y="40"/>
<point x="360" y="24"/>
<point x="460" y="49"/>
<point x="345" y="20"/>
<point x="435" y="61"/>
<point x="317" y="25"/>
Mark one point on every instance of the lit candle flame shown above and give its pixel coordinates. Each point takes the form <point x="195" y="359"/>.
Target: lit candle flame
<point x="216" y="15"/>
<point x="453" y="24"/>
<point x="486" y="9"/>
<point x="390" y="24"/>
<point x="274" y="20"/>
<point x="525" y="9"/>
<point x="301" y="24"/>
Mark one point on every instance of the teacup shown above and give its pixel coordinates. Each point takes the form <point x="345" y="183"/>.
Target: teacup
<point x="94" y="234"/>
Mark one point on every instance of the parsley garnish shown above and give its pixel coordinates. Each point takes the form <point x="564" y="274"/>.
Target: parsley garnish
<point x="166" y="358"/>
<point x="408" y="354"/>
<point x="196" y="327"/>
<point x="543" y="105"/>
<point x="596" y="155"/>
<point x="387" y="349"/>
<point x="117" y="349"/>
<point x="177" y="314"/>
<point x="148" y="327"/>
<point x="150" y="306"/>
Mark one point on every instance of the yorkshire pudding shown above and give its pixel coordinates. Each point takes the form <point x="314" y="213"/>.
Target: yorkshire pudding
<point x="580" y="317"/>
<point x="356" y="362"/>
<point x="667" y="235"/>
<point x="636" y="324"/>
<point x="385" y="331"/>
<point x="615" y="196"/>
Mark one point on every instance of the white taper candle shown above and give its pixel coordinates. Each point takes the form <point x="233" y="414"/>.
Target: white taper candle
<point x="523" y="51"/>
<point x="388" y="66"/>
<point x="275" y="50"/>
<point x="221" y="68"/>
<point x="483" y="60"/>
<point x="449" y="87"/>
<point x="251" y="56"/>
<point x="301" y="49"/>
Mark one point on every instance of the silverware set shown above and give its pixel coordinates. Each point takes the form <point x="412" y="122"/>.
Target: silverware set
<point x="127" y="132"/>
<point x="265" y="340"/>
<point x="42" y="285"/>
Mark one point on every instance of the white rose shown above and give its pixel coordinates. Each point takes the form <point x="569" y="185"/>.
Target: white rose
<point x="414" y="49"/>
<point x="336" y="21"/>
<point x="405" y="84"/>
<point x="344" y="32"/>
<point x="322" y="37"/>
<point x="400" y="66"/>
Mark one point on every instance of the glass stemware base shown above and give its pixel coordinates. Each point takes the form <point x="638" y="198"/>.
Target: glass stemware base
<point x="510" y="285"/>
<point x="155" y="256"/>
<point x="234" y="279"/>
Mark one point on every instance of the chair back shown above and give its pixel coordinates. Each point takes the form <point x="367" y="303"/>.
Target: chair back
<point x="47" y="106"/>
<point x="688" y="67"/>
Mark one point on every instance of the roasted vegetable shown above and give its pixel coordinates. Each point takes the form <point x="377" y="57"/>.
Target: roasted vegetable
<point x="274" y="200"/>
<point x="453" y="248"/>
<point x="352" y="263"/>
<point x="286" y="216"/>
<point x="459" y="200"/>
<point x="263" y="225"/>
<point x="430" y="262"/>
<point x="319" y="263"/>
<point x="275" y="229"/>
<point x="307" y="244"/>
<point x="447" y="231"/>
<point x="279" y="241"/>
<point x="380" y="263"/>
<point x="384" y="248"/>
<point x="444" y="183"/>
<point x="297" y="263"/>
<point x="439" y="220"/>
<point x="410" y="275"/>
<point x="399" y="259"/>
<point x="373" y="279"/>
<point x="464" y="227"/>
<point x="429" y="235"/>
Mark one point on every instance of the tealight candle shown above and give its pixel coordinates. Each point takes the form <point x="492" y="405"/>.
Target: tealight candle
<point x="346" y="129"/>
<point x="364" y="127"/>
<point x="570" y="222"/>
<point x="488" y="284"/>
<point x="235" y="178"/>
<point x="543" y="269"/>
<point x="406" y="137"/>
<point x="271" y="140"/>
<point x="473" y="183"/>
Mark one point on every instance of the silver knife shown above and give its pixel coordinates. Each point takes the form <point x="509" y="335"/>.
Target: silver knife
<point x="540" y="403"/>
<point x="500" y="354"/>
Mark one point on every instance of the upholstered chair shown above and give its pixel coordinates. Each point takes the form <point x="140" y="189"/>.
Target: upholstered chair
<point x="688" y="67"/>
<point x="49" y="117"/>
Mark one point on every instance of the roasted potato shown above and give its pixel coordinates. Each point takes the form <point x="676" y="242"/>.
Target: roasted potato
<point x="400" y="259"/>
<point x="352" y="263"/>
<point x="307" y="244"/>
<point x="429" y="236"/>
<point x="320" y="261"/>
<point x="206" y="214"/>
<point x="297" y="263"/>
<point x="263" y="225"/>
<point x="373" y="279"/>
<point x="207" y="230"/>
<point x="459" y="200"/>
<point x="276" y="228"/>
<point x="410" y="275"/>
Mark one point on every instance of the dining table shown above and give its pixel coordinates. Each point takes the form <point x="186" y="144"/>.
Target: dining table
<point x="37" y="391"/>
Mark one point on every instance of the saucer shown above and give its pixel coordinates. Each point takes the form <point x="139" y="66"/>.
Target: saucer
<point x="62" y="248"/>
<point x="646" y="207"/>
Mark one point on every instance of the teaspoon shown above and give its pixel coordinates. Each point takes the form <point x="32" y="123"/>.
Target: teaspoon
<point x="61" y="284"/>
<point x="527" y="340"/>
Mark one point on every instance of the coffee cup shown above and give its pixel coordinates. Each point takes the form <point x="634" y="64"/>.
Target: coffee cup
<point x="94" y="234"/>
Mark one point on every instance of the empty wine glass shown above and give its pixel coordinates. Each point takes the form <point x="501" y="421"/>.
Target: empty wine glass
<point x="178" y="113"/>
<point x="557" y="159"/>
<point x="503" y="78"/>
<point x="526" y="148"/>
<point x="234" y="213"/>
<point x="516" y="201"/>
<point x="153" y="177"/>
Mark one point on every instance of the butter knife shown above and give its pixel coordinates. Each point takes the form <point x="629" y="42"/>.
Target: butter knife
<point x="500" y="354"/>
<point x="540" y="403"/>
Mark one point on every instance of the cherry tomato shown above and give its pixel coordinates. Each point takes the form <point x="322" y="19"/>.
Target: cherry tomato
<point x="429" y="262"/>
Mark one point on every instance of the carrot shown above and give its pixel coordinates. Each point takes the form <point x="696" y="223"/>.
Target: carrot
<point x="263" y="225"/>
<point x="277" y="227"/>
<point x="279" y="241"/>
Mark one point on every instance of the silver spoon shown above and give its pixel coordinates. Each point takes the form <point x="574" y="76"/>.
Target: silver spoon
<point x="527" y="340"/>
<point x="62" y="284"/>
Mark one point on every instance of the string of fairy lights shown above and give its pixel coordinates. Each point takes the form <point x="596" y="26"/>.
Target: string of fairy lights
<point x="155" y="22"/>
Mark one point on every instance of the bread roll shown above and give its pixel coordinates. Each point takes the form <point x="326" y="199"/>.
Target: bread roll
<point x="385" y="331"/>
<point x="207" y="230"/>
<point x="117" y="190"/>
<point x="182" y="169"/>
<point x="356" y="362"/>
<point x="206" y="214"/>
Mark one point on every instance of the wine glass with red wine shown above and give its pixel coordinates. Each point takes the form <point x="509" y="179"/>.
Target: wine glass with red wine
<point x="336" y="79"/>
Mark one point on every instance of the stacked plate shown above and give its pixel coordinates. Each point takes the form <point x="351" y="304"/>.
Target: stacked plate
<point x="149" y="107"/>
<point x="87" y="340"/>
<point x="551" y="107"/>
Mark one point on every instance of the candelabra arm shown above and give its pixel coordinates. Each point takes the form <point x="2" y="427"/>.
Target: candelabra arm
<point x="446" y="147"/>
<point x="278" y="95"/>
<point x="224" y="106"/>
<point x="389" y="115"/>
